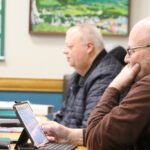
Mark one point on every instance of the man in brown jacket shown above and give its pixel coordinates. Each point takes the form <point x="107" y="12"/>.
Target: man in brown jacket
<point x="114" y="125"/>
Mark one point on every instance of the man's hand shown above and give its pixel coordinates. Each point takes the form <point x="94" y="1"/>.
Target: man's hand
<point x="58" y="133"/>
<point x="125" y="77"/>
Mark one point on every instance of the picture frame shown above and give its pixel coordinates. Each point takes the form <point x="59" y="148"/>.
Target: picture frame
<point x="2" y="28"/>
<point x="49" y="17"/>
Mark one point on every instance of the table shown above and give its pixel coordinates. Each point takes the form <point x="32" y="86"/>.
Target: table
<point x="15" y="135"/>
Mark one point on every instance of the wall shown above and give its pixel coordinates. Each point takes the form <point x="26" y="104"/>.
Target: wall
<point x="31" y="56"/>
<point x="34" y="97"/>
<point x="41" y="91"/>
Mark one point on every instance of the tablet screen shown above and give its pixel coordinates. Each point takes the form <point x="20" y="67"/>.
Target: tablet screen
<point x="29" y="121"/>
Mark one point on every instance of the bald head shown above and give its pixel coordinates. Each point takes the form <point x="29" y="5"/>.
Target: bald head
<point x="141" y="32"/>
<point x="139" y="41"/>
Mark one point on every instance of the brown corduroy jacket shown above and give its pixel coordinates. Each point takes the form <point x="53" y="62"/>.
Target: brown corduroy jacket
<point x="121" y="126"/>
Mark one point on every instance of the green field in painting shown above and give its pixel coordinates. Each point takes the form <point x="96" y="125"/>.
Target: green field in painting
<point x="63" y="12"/>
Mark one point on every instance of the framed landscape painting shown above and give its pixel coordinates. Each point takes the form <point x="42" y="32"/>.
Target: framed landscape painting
<point x="56" y="16"/>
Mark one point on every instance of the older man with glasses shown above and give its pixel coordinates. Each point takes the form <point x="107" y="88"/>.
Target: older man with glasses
<point x="115" y="125"/>
<point x="130" y="51"/>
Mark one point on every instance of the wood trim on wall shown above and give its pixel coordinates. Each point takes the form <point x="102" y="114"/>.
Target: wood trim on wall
<point x="31" y="85"/>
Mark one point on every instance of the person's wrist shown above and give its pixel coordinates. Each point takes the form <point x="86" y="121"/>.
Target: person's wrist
<point x="115" y="85"/>
<point x="75" y="136"/>
<point x="69" y="138"/>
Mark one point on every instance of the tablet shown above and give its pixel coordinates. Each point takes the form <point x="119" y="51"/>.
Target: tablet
<point x="34" y="130"/>
<point x="28" y="120"/>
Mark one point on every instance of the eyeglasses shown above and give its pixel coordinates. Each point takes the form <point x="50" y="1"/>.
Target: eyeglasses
<point x="130" y="51"/>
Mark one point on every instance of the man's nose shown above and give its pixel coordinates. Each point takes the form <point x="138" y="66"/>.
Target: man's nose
<point x="126" y="59"/>
<point x="65" y="51"/>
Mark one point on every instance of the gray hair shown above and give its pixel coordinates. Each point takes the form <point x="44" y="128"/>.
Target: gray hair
<point x="90" y="33"/>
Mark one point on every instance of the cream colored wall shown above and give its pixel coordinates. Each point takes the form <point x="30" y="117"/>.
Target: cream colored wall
<point x="29" y="56"/>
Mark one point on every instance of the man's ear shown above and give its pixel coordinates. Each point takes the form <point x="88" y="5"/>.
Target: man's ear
<point x="90" y="47"/>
